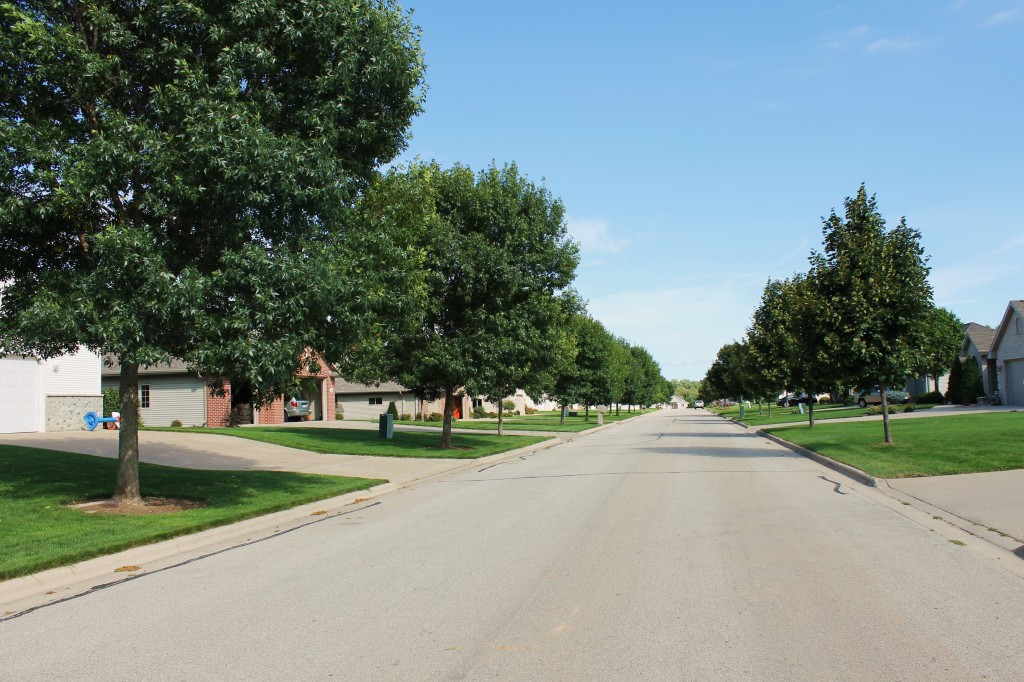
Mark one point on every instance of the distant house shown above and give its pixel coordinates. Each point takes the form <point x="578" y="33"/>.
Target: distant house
<point x="171" y="392"/>
<point x="1007" y="354"/>
<point x="48" y="395"/>
<point x="977" y="344"/>
<point x="360" y="401"/>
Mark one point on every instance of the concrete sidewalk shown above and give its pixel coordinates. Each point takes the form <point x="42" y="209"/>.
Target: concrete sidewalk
<point x="211" y="451"/>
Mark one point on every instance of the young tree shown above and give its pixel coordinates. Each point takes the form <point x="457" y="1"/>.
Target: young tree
<point x="942" y="336"/>
<point x="874" y="296"/>
<point x="494" y="258"/>
<point x="174" y="176"/>
<point x="955" y="388"/>
<point x="972" y="386"/>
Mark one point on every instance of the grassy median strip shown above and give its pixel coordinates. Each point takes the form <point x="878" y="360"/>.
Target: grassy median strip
<point x="933" y="446"/>
<point x="38" y="530"/>
<point x="367" y="442"/>
<point x="541" y="421"/>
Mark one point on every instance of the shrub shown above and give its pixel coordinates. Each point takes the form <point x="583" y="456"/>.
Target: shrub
<point x="909" y="407"/>
<point x="479" y="412"/>
<point x="930" y="398"/>
<point x="531" y="410"/>
<point x="873" y="410"/>
<point x="111" y="401"/>
<point x="508" y="405"/>
<point x="405" y="416"/>
<point x="435" y="417"/>
<point x="393" y="409"/>
<point x="240" y="414"/>
<point x="492" y="415"/>
<point x="516" y="413"/>
<point x="176" y="424"/>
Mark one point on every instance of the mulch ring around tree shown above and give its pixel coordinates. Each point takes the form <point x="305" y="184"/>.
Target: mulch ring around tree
<point x="150" y="505"/>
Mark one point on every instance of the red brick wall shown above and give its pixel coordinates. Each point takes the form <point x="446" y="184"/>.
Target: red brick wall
<point x="218" y="408"/>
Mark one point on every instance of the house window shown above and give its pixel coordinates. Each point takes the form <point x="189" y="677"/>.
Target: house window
<point x="377" y="401"/>
<point x="478" y="402"/>
<point x="144" y="395"/>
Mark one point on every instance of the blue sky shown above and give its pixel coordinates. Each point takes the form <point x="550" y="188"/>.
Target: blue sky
<point x="697" y="146"/>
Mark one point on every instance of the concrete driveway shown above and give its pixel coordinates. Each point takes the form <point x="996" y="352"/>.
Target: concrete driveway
<point x="210" y="451"/>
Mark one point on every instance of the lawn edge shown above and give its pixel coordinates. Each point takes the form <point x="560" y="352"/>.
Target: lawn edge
<point x="26" y="593"/>
<point x="840" y="467"/>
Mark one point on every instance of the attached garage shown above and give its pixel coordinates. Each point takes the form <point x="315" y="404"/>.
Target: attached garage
<point x="19" y="395"/>
<point x="1014" y="370"/>
<point x="166" y="398"/>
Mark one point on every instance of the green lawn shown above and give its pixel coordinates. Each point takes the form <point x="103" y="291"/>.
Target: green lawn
<point x="541" y="421"/>
<point x="38" y="530"/>
<point x="788" y="415"/>
<point x="367" y="442"/>
<point x="923" y="447"/>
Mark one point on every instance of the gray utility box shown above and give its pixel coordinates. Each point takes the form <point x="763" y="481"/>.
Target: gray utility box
<point x="387" y="425"/>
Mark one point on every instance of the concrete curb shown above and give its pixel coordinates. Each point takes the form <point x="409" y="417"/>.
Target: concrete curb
<point x="844" y="469"/>
<point x="66" y="581"/>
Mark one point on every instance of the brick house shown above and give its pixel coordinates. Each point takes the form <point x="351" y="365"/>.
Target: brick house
<point x="169" y="392"/>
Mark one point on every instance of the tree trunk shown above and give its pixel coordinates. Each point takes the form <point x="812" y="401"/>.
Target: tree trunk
<point x="561" y="414"/>
<point x="501" y="418"/>
<point x="586" y="413"/>
<point x="810" y="413"/>
<point x="885" y="413"/>
<point x="126" y="490"/>
<point x="446" y="428"/>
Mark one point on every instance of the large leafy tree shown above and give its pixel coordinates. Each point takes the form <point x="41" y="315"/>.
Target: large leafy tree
<point x="495" y="261"/>
<point x="874" y="297"/>
<point x="174" y="178"/>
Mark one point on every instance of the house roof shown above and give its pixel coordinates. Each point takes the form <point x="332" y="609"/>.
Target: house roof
<point x="980" y="335"/>
<point x="348" y="387"/>
<point x="1016" y="306"/>
<point x="112" y="368"/>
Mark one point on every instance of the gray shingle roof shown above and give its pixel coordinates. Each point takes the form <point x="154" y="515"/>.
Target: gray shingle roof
<point x="981" y="335"/>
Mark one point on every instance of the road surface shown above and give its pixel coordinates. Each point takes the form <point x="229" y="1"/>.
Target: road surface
<point x="673" y="547"/>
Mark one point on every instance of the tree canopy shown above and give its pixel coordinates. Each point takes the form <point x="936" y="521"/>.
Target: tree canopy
<point x="495" y="264"/>
<point x="175" y="177"/>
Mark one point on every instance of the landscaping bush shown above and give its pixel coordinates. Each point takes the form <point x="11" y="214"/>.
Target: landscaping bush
<point x="479" y="412"/>
<point x="176" y="424"/>
<point x="508" y="405"/>
<point x="435" y="417"/>
<point x="393" y="409"/>
<point x="111" y="401"/>
<point x="492" y="415"/>
<point x="339" y="414"/>
<point x="909" y="407"/>
<point x="240" y="414"/>
<point x="874" y="410"/>
<point x="930" y="398"/>
<point x="531" y="410"/>
<point x="405" y="416"/>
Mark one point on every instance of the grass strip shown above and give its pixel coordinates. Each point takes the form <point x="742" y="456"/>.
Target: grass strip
<point x="366" y="442"/>
<point x="39" y="531"/>
<point x="541" y="421"/>
<point x="933" y="446"/>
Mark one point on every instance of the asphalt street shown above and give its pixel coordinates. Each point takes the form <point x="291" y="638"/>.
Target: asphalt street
<point x="676" y="546"/>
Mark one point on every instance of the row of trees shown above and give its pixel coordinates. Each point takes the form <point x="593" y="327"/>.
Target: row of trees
<point x="200" y="182"/>
<point x="861" y="315"/>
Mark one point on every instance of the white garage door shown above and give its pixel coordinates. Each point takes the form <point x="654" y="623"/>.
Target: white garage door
<point x="1014" y="382"/>
<point x="19" y="395"/>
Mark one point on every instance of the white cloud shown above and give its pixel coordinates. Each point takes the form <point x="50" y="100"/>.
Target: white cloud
<point x="594" y="234"/>
<point x="1004" y="17"/>
<point x="894" y="44"/>
<point x="682" y="327"/>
